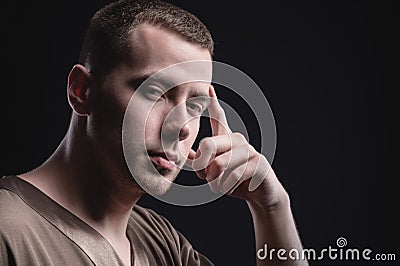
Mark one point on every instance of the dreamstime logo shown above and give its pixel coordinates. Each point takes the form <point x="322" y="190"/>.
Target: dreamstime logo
<point x="330" y="253"/>
<point x="341" y="242"/>
<point x="134" y="126"/>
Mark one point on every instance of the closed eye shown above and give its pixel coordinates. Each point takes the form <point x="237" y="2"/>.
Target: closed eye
<point x="197" y="105"/>
<point x="153" y="92"/>
<point x="197" y="108"/>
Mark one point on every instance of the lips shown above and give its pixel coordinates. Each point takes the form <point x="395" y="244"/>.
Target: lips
<point x="163" y="160"/>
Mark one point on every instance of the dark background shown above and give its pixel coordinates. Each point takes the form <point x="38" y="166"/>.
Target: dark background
<point x="329" y="70"/>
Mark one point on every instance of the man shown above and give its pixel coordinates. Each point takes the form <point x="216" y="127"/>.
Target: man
<point x="79" y="206"/>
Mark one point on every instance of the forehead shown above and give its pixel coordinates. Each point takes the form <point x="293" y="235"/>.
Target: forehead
<point x="154" y="48"/>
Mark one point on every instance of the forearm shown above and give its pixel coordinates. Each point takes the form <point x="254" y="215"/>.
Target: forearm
<point x="276" y="234"/>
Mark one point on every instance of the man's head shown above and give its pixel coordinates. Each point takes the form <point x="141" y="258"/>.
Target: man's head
<point x="108" y="39"/>
<point x="127" y="42"/>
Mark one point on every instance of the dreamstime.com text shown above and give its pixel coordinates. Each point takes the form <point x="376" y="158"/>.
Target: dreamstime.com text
<point x="331" y="253"/>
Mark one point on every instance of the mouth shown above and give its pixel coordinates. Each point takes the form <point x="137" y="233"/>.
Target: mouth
<point x="163" y="160"/>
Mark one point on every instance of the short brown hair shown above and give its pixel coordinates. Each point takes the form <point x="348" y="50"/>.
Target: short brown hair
<point x="107" y="40"/>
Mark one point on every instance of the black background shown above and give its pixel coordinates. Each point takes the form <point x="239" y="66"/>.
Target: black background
<point x="329" y="70"/>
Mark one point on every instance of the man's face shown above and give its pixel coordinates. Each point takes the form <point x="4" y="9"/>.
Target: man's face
<point x="163" y="124"/>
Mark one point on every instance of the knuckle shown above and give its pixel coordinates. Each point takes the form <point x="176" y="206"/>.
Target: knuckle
<point x="220" y="110"/>
<point x="239" y="137"/>
<point x="221" y="115"/>
<point x="252" y="151"/>
<point x="219" y="165"/>
<point x="206" y="144"/>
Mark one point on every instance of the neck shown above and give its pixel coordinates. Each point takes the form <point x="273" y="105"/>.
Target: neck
<point x="88" y="185"/>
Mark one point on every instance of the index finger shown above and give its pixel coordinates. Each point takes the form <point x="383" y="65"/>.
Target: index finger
<point x="219" y="124"/>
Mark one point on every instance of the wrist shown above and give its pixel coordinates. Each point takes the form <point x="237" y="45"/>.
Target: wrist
<point x="280" y="203"/>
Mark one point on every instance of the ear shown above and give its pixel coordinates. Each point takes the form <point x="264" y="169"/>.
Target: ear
<point x="78" y="90"/>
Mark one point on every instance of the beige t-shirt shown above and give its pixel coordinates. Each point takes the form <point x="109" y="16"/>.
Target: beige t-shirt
<point x="35" y="230"/>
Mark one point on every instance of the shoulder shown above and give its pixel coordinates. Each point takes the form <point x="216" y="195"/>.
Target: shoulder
<point x="14" y="211"/>
<point x="10" y="203"/>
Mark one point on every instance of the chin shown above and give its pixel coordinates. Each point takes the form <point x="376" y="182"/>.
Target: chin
<point x="160" y="187"/>
<point x="157" y="183"/>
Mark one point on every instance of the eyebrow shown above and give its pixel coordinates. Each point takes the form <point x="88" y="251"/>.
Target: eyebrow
<point x="136" y="81"/>
<point x="196" y="93"/>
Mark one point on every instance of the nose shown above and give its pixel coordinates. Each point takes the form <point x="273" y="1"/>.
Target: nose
<point x="175" y="126"/>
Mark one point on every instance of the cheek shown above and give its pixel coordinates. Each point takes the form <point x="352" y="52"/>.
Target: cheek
<point x="138" y="121"/>
<point x="109" y="107"/>
<point x="152" y="127"/>
<point x="152" y="121"/>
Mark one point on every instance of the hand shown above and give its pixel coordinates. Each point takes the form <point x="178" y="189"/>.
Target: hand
<point x="232" y="166"/>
